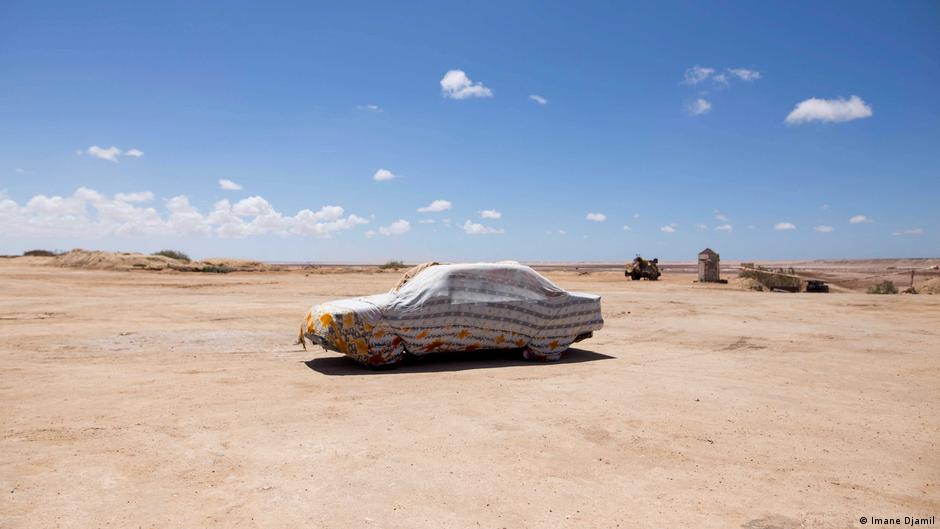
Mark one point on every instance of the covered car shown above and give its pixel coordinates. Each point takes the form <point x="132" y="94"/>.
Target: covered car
<point x="457" y="307"/>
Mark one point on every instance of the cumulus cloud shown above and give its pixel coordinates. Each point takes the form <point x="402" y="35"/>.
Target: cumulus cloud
<point x="383" y="175"/>
<point x="699" y="106"/>
<point x="426" y="221"/>
<point x="473" y="228"/>
<point x="829" y="110"/>
<point x="784" y="226"/>
<point x="370" y="108"/>
<point x="859" y="219"/>
<point x="436" y="207"/>
<point x="596" y="217"/>
<point x="626" y="227"/>
<point x="490" y="214"/>
<point x="910" y="231"/>
<point x="228" y="185"/>
<point x="399" y="227"/>
<point x="110" y="154"/>
<point x="538" y="99"/>
<point x="141" y="196"/>
<point x="669" y="228"/>
<point x="823" y="228"/>
<point x="744" y="74"/>
<point x="724" y="227"/>
<point x="456" y="85"/>
<point x="697" y="74"/>
<point x="88" y="214"/>
<point x="720" y="217"/>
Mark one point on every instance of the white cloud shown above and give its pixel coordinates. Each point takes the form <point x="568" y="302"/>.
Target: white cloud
<point x="111" y="153"/>
<point x="383" y="175"/>
<point x="142" y="196"/>
<point x="538" y="99"/>
<point x="701" y="227"/>
<point x="669" y="228"/>
<point x="626" y="227"/>
<point x="399" y="227"/>
<point x="724" y="227"/>
<point x="720" y="217"/>
<point x="699" y="106"/>
<point x="88" y="214"/>
<point x="456" y="85"/>
<point x="910" y="231"/>
<point x="490" y="214"/>
<point x="829" y="110"/>
<point x="697" y="74"/>
<point x="20" y="170"/>
<point x="596" y="217"/>
<point x="370" y="108"/>
<point x="426" y="221"/>
<point x="859" y="219"/>
<point x="370" y="233"/>
<point x="228" y="185"/>
<point x="744" y="74"/>
<point x="436" y="207"/>
<point x="473" y="228"/>
<point x="784" y="226"/>
<point x="252" y="207"/>
<point x="823" y="228"/>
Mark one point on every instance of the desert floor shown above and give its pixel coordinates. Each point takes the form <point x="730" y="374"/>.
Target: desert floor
<point x="177" y="400"/>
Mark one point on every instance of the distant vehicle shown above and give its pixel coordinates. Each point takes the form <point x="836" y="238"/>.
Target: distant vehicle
<point x="641" y="268"/>
<point x="458" y="307"/>
<point x="815" y="285"/>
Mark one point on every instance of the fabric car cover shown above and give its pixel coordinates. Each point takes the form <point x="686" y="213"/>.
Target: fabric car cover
<point x="461" y="307"/>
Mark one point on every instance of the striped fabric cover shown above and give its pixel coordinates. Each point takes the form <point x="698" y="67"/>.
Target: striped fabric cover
<point x="461" y="307"/>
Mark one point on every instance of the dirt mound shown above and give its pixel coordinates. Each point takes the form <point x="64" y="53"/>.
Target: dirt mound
<point x="238" y="265"/>
<point x="746" y="283"/>
<point x="95" y="260"/>
<point x="932" y="286"/>
<point x="413" y="271"/>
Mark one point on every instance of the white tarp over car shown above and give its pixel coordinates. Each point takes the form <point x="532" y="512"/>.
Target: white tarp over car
<point x="457" y="307"/>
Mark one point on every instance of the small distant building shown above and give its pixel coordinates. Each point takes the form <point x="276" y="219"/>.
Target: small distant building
<point x="708" y="266"/>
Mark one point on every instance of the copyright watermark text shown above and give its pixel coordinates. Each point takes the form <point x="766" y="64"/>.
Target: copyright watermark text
<point x="899" y="521"/>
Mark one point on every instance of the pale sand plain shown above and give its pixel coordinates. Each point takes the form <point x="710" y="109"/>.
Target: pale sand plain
<point x="154" y="399"/>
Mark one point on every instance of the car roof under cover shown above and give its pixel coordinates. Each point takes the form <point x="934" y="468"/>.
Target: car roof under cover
<point x="476" y="283"/>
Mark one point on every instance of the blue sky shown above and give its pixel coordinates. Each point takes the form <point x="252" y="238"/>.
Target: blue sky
<point x="731" y="125"/>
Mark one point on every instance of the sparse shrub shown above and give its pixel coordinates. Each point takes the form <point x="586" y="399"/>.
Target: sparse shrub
<point x="885" y="287"/>
<point x="174" y="254"/>
<point x="392" y="265"/>
<point x="216" y="269"/>
<point x="40" y="253"/>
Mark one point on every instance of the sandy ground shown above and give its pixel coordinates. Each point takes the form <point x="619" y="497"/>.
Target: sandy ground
<point x="145" y="399"/>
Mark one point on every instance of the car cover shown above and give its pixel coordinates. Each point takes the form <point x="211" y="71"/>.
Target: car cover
<point x="457" y="307"/>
